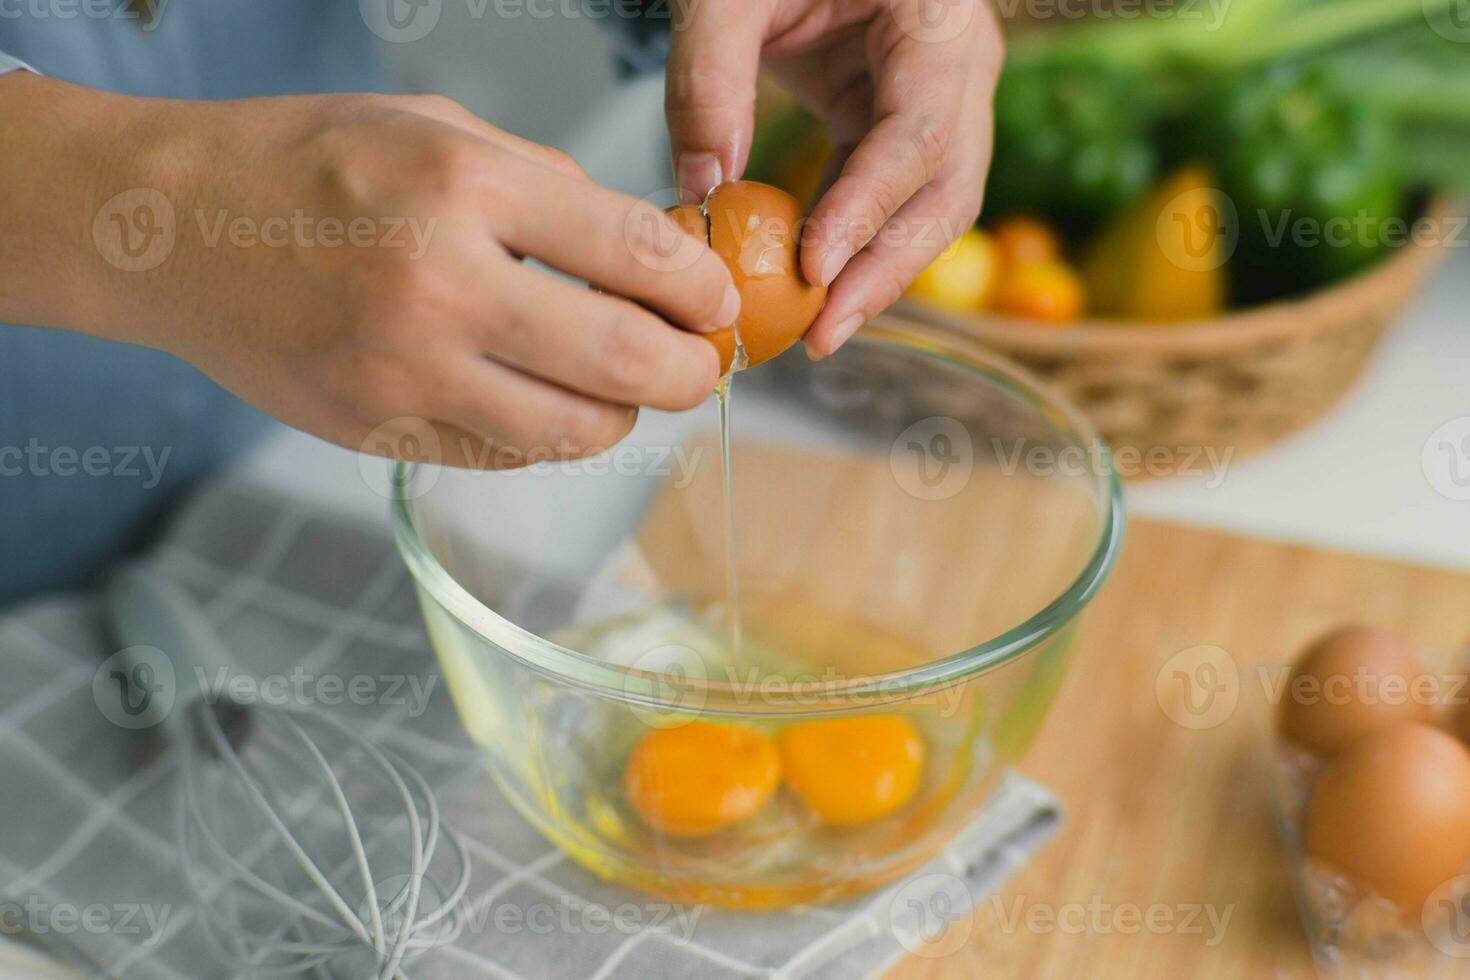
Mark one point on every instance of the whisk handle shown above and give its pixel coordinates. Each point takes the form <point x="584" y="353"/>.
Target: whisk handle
<point x="147" y="610"/>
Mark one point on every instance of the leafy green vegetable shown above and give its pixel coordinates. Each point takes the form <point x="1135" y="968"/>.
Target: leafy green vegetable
<point x="1074" y="142"/>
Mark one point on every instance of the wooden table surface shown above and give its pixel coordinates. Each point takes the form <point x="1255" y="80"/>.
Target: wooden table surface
<point x="1167" y="791"/>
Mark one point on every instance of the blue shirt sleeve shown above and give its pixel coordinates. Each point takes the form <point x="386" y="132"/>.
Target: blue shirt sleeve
<point x="151" y="425"/>
<point x="9" y="64"/>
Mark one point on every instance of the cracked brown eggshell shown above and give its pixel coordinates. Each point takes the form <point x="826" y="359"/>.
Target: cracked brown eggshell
<point x="755" y="229"/>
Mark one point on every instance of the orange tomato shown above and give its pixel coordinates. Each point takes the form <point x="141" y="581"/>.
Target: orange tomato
<point x="699" y="778"/>
<point x="1021" y="240"/>
<point x="853" y="770"/>
<point x="1050" y="291"/>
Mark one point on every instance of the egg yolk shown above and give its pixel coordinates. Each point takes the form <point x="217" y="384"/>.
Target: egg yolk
<point x="852" y="770"/>
<point x="699" y="778"/>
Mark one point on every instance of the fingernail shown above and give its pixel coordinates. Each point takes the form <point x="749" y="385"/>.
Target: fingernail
<point x="812" y="354"/>
<point x="844" y="330"/>
<point x="697" y="174"/>
<point x="833" y="264"/>
<point x="729" y="309"/>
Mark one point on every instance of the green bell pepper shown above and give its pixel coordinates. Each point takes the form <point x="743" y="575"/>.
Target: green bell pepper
<point x="1072" y="142"/>
<point x="1314" y="178"/>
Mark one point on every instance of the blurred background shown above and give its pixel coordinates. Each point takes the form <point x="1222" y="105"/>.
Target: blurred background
<point x="537" y="75"/>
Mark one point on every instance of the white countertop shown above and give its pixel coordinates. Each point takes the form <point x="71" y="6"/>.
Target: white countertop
<point x="1357" y="479"/>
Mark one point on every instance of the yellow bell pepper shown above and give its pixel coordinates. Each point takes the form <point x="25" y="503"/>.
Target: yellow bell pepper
<point x="1163" y="258"/>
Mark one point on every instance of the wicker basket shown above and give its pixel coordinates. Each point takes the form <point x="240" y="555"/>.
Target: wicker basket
<point x="1237" y="382"/>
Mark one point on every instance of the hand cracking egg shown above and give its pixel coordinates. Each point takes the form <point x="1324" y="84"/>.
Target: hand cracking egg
<point x="755" y="229"/>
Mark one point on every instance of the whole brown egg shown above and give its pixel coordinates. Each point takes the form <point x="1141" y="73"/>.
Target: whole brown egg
<point x="1350" y="683"/>
<point x="1457" y="696"/>
<point x="1392" y="810"/>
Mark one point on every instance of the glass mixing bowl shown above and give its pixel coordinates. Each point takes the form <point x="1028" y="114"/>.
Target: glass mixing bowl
<point x="917" y="528"/>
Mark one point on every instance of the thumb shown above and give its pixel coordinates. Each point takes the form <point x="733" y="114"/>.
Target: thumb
<point x="709" y="96"/>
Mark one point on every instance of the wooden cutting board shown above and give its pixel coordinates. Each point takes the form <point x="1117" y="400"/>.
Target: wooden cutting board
<point x="1172" y="818"/>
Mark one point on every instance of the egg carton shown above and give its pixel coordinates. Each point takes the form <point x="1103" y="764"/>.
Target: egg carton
<point x="1355" y="933"/>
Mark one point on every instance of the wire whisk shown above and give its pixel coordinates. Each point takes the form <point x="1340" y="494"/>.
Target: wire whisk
<point x="310" y="848"/>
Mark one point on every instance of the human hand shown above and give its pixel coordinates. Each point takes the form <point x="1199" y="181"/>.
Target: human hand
<point x="905" y="88"/>
<point x="427" y="316"/>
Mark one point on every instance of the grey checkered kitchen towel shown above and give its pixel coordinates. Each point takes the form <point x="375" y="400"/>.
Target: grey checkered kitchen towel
<point x="90" y="857"/>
